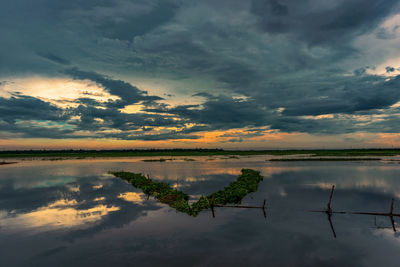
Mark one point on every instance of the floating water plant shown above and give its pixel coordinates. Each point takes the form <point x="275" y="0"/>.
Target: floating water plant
<point x="246" y="183"/>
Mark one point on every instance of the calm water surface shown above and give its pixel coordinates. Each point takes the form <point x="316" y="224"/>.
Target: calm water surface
<point x="72" y="213"/>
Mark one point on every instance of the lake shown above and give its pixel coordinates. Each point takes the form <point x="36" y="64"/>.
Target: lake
<point x="73" y="213"/>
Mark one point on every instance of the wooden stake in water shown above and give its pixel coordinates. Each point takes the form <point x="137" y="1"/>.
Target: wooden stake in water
<point x="390" y="214"/>
<point x="329" y="209"/>
<point x="212" y="206"/>
<point x="329" y="212"/>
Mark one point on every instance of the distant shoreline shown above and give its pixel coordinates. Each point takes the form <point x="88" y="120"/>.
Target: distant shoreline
<point x="323" y="159"/>
<point x="81" y="154"/>
<point x="6" y="163"/>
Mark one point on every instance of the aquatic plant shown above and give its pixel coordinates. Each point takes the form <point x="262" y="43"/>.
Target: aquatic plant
<point x="246" y="183"/>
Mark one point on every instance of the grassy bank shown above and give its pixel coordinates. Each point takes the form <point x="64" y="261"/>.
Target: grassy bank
<point x="80" y="154"/>
<point x="246" y="183"/>
<point x="324" y="159"/>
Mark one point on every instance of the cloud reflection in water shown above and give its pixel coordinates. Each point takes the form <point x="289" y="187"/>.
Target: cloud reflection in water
<point x="59" y="214"/>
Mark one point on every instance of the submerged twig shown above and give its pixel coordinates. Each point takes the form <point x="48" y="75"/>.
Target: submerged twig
<point x="241" y="207"/>
<point x="389" y="214"/>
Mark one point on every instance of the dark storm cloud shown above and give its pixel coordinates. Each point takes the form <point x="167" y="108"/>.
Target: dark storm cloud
<point x="128" y="93"/>
<point x="390" y="69"/>
<point x="255" y="63"/>
<point x="24" y="107"/>
<point x="129" y="26"/>
<point x="31" y="117"/>
<point x="54" y="58"/>
<point x="225" y="113"/>
<point x="239" y="137"/>
<point x="115" y="119"/>
<point x="367" y="93"/>
<point x="25" y="116"/>
<point x="337" y="124"/>
<point x="152" y="137"/>
<point x="205" y="95"/>
<point x="221" y="112"/>
<point x="316" y="22"/>
<point x="26" y="130"/>
<point x="73" y="30"/>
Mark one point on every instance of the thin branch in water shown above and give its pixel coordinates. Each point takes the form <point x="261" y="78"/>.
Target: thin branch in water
<point x="329" y="212"/>
<point x="390" y="214"/>
<point x="212" y="205"/>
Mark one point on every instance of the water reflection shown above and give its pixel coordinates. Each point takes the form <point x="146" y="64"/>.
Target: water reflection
<point x="105" y="221"/>
<point x="60" y="214"/>
<point x="132" y="197"/>
<point x="329" y="212"/>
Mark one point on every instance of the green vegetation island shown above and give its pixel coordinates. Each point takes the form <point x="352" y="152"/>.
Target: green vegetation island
<point x="81" y="154"/>
<point x="246" y="183"/>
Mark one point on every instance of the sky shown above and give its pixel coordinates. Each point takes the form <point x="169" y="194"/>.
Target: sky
<point x="237" y="74"/>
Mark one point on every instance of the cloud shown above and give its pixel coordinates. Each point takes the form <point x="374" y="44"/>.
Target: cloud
<point x="54" y="58"/>
<point x="367" y="93"/>
<point x="318" y="22"/>
<point x="129" y="25"/>
<point x="390" y="69"/>
<point x="128" y="93"/>
<point x="24" y="107"/>
<point x="252" y="64"/>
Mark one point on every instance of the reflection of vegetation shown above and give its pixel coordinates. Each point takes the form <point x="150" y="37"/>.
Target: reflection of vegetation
<point x="56" y="158"/>
<point x="163" y="160"/>
<point x="194" y="152"/>
<point x="230" y="157"/>
<point x="323" y="159"/>
<point x="6" y="162"/>
<point x="153" y="160"/>
<point x="246" y="183"/>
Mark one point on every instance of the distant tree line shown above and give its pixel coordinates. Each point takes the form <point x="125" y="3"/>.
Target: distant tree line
<point x="73" y="151"/>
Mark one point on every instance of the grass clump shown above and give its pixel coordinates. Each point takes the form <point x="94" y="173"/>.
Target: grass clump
<point x="160" y="190"/>
<point x="246" y="183"/>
